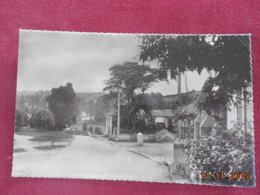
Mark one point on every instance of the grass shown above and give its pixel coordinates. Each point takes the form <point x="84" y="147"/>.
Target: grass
<point x="16" y="150"/>
<point x="42" y="135"/>
<point x="49" y="147"/>
<point x="45" y="136"/>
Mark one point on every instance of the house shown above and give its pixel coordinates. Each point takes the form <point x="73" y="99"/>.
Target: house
<point x="162" y="117"/>
<point x="111" y="124"/>
<point x="241" y="111"/>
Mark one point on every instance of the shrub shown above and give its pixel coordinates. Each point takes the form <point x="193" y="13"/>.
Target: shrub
<point x="98" y="131"/>
<point x="84" y="126"/>
<point x="231" y="151"/>
<point x="43" y="119"/>
<point x="90" y="129"/>
<point x="21" y="119"/>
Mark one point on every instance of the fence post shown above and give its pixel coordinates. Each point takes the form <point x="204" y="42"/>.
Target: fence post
<point x="140" y="139"/>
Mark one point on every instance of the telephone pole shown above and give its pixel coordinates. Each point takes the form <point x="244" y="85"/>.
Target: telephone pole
<point x="179" y="83"/>
<point x="186" y="81"/>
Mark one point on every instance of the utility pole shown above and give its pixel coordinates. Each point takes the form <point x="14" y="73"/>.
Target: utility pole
<point x="118" y="116"/>
<point x="186" y="81"/>
<point x="179" y="83"/>
<point x="179" y="86"/>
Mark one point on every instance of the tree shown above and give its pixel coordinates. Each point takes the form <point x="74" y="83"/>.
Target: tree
<point x="42" y="119"/>
<point x="98" y="108"/>
<point x="132" y="80"/>
<point x="227" y="56"/>
<point x="21" y="103"/>
<point x="21" y="119"/>
<point x="154" y="101"/>
<point x="63" y="104"/>
<point x="37" y="101"/>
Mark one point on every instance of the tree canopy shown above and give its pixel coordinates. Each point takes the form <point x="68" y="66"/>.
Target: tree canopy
<point x="228" y="57"/>
<point x="42" y="119"/>
<point x="63" y="104"/>
<point x="132" y="80"/>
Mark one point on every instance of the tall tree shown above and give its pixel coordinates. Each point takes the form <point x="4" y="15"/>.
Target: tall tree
<point x="132" y="80"/>
<point x="98" y="108"/>
<point x="63" y="104"/>
<point x="227" y="56"/>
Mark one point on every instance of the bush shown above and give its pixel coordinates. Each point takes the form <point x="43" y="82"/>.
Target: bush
<point x="85" y="126"/>
<point x="43" y="119"/>
<point x="231" y="151"/>
<point x="98" y="131"/>
<point x="90" y="129"/>
<point x="21" y="119"/>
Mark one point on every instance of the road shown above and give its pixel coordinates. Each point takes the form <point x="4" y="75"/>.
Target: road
<point x="88" y="158"/>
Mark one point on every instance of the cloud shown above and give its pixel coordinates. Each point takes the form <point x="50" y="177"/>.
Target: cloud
<point x="51" y="59"/>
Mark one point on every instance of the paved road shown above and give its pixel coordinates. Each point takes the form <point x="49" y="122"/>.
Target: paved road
<point x="89" y="158"/>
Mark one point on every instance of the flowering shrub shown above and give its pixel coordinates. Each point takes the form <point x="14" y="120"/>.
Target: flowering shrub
<point x="230" y="151"/>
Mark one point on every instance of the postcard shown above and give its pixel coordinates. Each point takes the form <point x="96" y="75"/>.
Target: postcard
<point x="168" y="108"/>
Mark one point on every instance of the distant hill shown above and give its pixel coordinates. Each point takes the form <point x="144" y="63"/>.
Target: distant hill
<point x="26" y="93"/>
<point x="173" y="98"/>
<point x="33" y="100"/>
<point x="87" y="96"/>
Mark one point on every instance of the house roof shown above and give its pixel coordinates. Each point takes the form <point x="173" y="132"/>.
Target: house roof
<point x="162" y="113"/>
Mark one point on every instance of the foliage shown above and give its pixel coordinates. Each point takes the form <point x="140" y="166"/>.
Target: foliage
<point x="111" y="98"/>
<point x="63" y="104"/>
<point x="43" y="119"/>
<point x="154" y="101"/>
<point x="21" y="119"/>
<point x="214" y="100"/>
<point x="132" y="80"/>
<point x="90" y="129"/>
<point x="184" y="100"/>
<point x="181" y="114"/>
<point x="88" y="102"/>
<point x="32" y="102"/>
<point x="227" y="56"/>
<point x="184" y="109"/>
<point x="230" y="151"/>
<point x="98" y="108"/>
<point x="98" y="131"/>
<point x="85" y="126"/>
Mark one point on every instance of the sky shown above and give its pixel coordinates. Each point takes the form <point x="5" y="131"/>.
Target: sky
<point x="51" y="59"/>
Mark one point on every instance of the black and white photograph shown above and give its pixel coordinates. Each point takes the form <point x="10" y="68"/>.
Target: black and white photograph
<point x="167" y="108"/>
